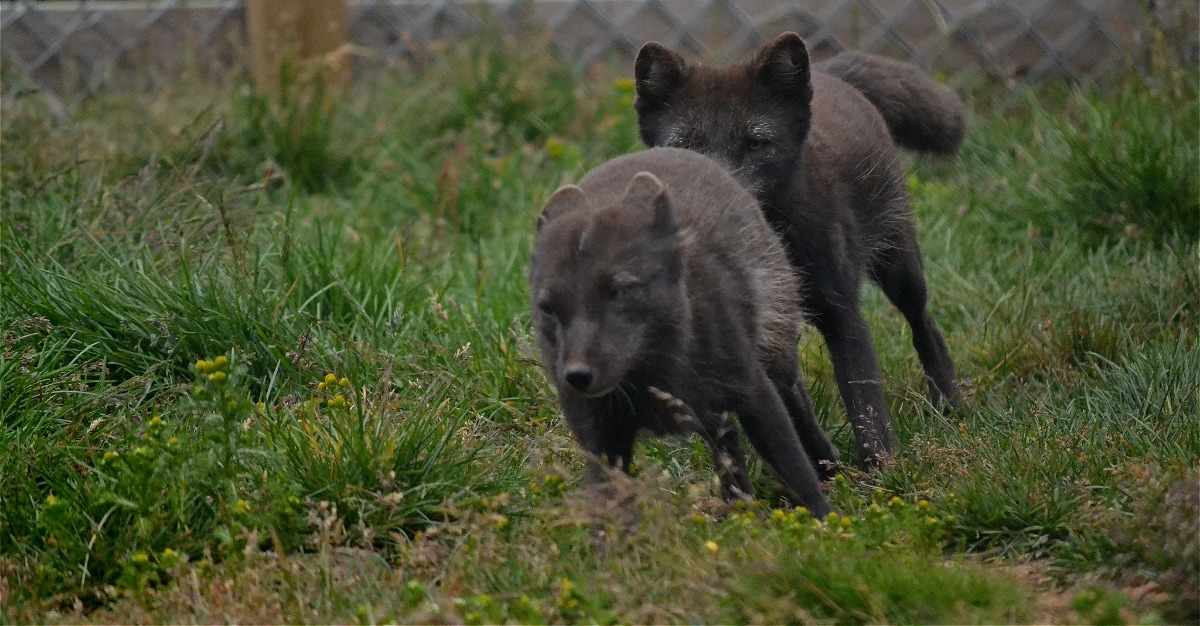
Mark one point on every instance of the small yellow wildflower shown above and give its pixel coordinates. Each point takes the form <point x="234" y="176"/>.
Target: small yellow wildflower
<point x="217" y="377"/>
<point x="800" y="511"/>
<point x="51" y="500"/>
<point x="555" y="147"/>
<point x="712" y="546"/>
<point x="697" y="518"/>
<point x="241" y="505"/>
<point x="923" y="505"/>
<point x="846" y="522"/>
<point x="111" y="455"/>
<point x="929" y="521"/>
<point x="141" y="558"/>
<point x="345" y="382"/>
<point x="221" y="362"/>
<point x="875" y="509"/>
<point x="895" y="502"/>
<point x="832" y="518"/>
<point x="778" y="515"/>
<point x="501" y="522"/>
<point x="202" y="366"/>
<point x="173" y="441"/>
<point x="330" y="379"/>
<point x="155" y="422"/>
<point x="141" y="451"/>
<point x="321" y="386"/>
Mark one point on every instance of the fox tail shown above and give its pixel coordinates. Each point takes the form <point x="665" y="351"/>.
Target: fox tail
<point x="921" y="114"/>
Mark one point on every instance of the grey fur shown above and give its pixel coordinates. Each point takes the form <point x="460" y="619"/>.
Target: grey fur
<point x="680" y="301"/>
<point x="817" y="152"/>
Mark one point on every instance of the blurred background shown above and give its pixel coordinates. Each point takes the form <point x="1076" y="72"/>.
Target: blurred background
<point x="68" y="50"/>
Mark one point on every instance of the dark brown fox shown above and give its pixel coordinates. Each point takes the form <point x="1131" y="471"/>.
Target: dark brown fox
<point x="661" y="295"/>
<point x="815" y="146"/>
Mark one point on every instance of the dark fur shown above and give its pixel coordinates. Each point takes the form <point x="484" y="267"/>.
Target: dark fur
<point x="658" y="273"/>
<point x="816" y="148"/>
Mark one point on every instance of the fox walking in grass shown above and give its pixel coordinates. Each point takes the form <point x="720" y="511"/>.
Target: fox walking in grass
<point x="662" y="300"/>
<point x="815" y="147"/>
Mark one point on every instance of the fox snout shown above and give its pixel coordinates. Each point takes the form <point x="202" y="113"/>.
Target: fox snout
<point x="579" y="376"/>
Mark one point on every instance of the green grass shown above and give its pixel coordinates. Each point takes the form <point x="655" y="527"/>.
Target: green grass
<point x="269" y="360"/>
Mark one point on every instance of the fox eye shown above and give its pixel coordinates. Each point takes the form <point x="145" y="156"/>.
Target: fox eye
<point x="545" y="307"/>
<point x="621" y="286"/>
<point x="754" y="145"/>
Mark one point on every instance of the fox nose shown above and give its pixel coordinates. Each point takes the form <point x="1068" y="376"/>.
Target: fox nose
<point x="579" y="377"/>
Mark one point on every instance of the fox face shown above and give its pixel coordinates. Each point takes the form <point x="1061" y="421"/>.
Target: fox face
<point x="606" y="285"/>
<point x="751" y="118"/>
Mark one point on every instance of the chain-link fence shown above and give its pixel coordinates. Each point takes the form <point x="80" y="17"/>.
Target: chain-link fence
<point x="70" y="49"/>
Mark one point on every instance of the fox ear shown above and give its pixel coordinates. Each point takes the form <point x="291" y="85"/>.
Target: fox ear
<point x="657" y="72"/>
<point x="783" y="64"/>
<point x="647" y="192"/>
<point x="567" y="198"/>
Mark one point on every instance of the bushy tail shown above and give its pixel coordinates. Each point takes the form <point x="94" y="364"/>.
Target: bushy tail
<point x="921" y="114"/>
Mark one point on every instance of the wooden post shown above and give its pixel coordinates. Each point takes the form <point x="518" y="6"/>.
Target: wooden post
<point x="308" y="33"/>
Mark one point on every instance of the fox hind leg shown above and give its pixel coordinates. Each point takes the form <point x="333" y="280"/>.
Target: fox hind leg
<point x="899" y="273"/>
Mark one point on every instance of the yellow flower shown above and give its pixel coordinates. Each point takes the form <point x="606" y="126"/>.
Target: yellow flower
<point x="51" y="500"/>
<point x="203" y="366"/>
<point x="800" y="511"/>
<point x="895" y="502"/>
<point x="875" y="508"/>
<point x="321" y="386"/>
<point x="156" y="421"/>
<point x="711" y="545"/>
<point x="555" y="147"/>
<point x="111" y="455"/>
<point x="241" y="505"/>
<point x="173" y="441"/>
<point x="502" y="522"/>
<point x="217" y="377"/>
<point x="623" y="84"/>
<point x="141" y="558"/>
<point x="345" y="382"/>
<point x="923" y="505"/>
<point x="330" y="379"/>
<point x="221" y="362"/>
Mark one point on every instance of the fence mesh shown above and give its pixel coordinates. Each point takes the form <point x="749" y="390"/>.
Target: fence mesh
<point x="71" y="49"/>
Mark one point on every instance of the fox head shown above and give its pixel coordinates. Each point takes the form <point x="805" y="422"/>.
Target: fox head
<point x="607" y="286"/>
<point x="752" y="118"/>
